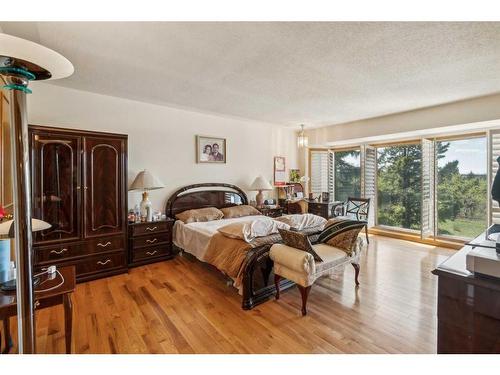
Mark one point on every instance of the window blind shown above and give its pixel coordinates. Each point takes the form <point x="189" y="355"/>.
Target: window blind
<point x="320" y="171"/>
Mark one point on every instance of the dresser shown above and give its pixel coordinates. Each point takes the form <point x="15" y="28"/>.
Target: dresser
<point x="271" y="212"/>
<point x="468" y="308"/>
<point x="79" y="187"/>
<point x="323" y="209"/>
<point x="150" y="242"/>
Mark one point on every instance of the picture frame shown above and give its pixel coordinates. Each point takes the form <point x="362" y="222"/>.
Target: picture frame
<point x="279" y="171"/>
<point x="211" y="149"/>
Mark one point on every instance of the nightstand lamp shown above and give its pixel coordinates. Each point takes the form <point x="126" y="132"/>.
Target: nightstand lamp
<point x="260" y="184"/>
<point x="145" y="181"/>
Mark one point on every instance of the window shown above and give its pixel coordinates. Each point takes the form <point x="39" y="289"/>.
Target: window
<point x="346" y="174"/>
<point x="399" y="175"/>
<point x="461" y="187"/>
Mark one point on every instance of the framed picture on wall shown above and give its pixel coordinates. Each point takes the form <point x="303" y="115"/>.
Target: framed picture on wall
<point x="210" y="149"/>
<point x="279" y="171"/>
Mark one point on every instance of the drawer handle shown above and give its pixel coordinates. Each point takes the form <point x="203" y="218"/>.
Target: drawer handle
<point x="103" y="263"/>
<point x="152" y="241"/>
<point x="151" y="229"/>
<point x="58" y="252"/>
<point x="104" y="245"/>
<point x="151" y="254"/>
<point x="37" y="303"/>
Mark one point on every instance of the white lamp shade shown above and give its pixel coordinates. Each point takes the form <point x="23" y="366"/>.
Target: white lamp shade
<point x="146" y="181"/>
<point x="36" y="225"/>
<point x="51" y="61"/>
<point x="260" y="183"/>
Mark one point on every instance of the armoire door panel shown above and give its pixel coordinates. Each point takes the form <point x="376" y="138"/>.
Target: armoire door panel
<point x="104" y="184"/>
<point x="56" y="177"/>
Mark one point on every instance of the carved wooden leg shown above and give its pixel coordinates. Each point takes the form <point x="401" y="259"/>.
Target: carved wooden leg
<point x="356" y="272"/>
<point x="366" y="233"/>
<point x="277" y="279"/>
<point x="68" y="320"/>
<point x="304" y="291"/>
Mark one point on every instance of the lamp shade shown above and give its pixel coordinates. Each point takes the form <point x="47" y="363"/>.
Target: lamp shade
<point x="41" y="61"/>
<point x="6" y="227"/>
<point x="260" y="183"/>
<point x="146" y="181"/>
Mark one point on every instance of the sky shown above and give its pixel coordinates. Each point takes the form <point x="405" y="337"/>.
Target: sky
<point x="470" y="153"/>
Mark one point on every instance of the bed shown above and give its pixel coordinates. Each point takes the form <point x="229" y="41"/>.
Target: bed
<point x="255" y="281"/>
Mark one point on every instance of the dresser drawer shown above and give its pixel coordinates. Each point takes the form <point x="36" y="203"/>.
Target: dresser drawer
<point x="151" y="252"/>
<point x="59" y="252"/>
<point x="105" y="244"/>
<point x="152" y="239"/>
<point x="102" y="262"/>
<point x="316" y="209"/>
<point x="149" y="228"/>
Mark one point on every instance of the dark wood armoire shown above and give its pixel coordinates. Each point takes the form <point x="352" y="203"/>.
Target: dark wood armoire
<point x="79" y="187"/>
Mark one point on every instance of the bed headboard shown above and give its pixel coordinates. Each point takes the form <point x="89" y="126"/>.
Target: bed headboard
<point x="209" y="194"/>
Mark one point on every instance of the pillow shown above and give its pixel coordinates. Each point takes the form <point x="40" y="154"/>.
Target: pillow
<point x="301" y="221"/>
<point x="299" y="241"/>
<point x="239" y="211"/>
<point x="249" y="230"/>
<point x="342" y="234"/>
<point x="200" y="214"/>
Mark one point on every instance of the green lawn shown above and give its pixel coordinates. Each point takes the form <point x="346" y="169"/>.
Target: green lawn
<point x="468" y="228"/>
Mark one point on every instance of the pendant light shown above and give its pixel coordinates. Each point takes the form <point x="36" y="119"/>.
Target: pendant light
<point x="302" y="140"/>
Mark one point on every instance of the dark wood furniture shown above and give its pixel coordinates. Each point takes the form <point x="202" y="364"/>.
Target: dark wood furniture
<point x="79" y="187"/>
<point x="43" y="298"/>
<point x="271" y="212"/>
<point x="150" y="242"/>
<point x="258" y="285"/>
<point x="468" y="308"/>
<point x="323" y="209"/>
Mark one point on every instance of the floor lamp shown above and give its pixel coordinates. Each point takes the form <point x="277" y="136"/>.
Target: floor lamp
<point x="20" y="62"/>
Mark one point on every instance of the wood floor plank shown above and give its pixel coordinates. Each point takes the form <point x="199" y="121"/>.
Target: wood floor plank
<point x="185" y="306"/>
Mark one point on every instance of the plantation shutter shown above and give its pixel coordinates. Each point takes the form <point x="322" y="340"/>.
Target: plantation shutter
<point x="369" y="179"/>
<point x="319" y="171"/>
<point x="331" y="174"/>
<point x="494" y="140"/>
<point x="428" y="184"/>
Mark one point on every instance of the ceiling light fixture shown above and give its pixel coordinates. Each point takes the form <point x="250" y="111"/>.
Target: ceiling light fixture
<point x="302" y="140"/>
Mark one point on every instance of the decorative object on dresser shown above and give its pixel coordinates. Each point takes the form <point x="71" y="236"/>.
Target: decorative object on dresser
<point x="145" y="181"/>
<point x="260" y="184"/>
<point x="79" y="187"/>
<point x="210" y="149"/>
<point x="279" y="171"/>
<point x="150" y="242"/>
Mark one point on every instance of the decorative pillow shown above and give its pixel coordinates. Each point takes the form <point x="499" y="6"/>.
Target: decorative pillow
<point x="239" y="211"/>
<point x="299" y="241"/>
<point x="342" y="234"/>
<point x="200" y="214"/>
<point x="302" y="221"/>
<point x="249" y="230"/>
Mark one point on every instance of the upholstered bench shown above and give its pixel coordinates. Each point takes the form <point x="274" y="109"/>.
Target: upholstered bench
<point x="300" y="267"/>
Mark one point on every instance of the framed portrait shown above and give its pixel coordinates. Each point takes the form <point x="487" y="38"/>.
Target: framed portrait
<point x="210" y="149"/>
<point x="279" y="171"/>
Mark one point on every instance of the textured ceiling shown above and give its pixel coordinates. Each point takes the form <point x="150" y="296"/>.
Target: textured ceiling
<point x="284" y="73"/>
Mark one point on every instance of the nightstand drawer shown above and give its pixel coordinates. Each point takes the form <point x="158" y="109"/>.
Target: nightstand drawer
<point x="149" y="228"/>
<point x="152" y="239"/>
<point x="150" y="252"/>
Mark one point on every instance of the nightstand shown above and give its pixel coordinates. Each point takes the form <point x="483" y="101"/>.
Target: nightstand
<point x="150" y="242"/>
<point x="271" y="212"/>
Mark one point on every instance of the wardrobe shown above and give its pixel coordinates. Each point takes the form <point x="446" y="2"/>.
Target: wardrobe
<point x="79" y="186"/>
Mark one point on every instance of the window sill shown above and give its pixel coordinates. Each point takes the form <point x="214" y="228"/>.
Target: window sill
<point x="414" y="236"/>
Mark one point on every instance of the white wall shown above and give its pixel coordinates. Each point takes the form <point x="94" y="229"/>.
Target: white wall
<point x="162" y="139"/>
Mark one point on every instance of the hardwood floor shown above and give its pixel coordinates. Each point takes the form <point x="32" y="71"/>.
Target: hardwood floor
<point x="182" y="306"/>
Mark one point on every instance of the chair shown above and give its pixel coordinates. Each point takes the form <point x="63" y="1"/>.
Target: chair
<point x="300" y="267"/>
<point x="354" y="208"/>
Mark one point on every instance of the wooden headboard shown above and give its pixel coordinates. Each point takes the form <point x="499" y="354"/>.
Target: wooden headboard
<point x="210" y="194"/>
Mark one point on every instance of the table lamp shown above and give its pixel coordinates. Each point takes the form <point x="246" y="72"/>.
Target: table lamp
<point x="260" y="184"/>
<point x="145" y="181"/>
<point x="20" y="62"/>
